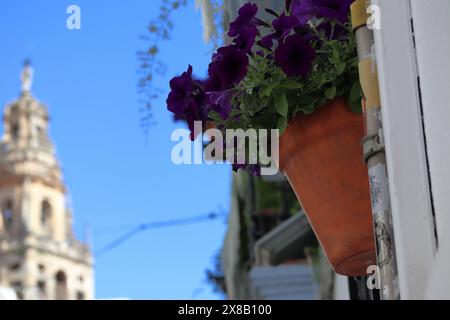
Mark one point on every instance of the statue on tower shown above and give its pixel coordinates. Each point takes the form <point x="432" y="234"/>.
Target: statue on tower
<point x="26" y="76"/>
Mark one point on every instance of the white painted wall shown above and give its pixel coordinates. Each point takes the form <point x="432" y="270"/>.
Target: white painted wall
<point x="431" y="28"/>
<point x="417" y="132"/>
<point x="405" y="148"/>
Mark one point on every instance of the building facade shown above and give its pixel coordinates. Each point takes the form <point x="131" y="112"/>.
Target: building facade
<point x="40" y="258"/>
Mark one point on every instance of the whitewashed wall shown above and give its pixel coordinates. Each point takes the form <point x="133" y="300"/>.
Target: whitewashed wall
<point x="431" y="28"/>
<point x="413" y="56"/>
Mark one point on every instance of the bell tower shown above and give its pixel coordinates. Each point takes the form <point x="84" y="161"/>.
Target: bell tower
<point x="40" y="258"/>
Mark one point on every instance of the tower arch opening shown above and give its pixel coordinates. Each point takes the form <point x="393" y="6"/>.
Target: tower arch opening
<point x="61" y="285"/>
<point x="46" y="216"/>
<point x="7" y="215"/>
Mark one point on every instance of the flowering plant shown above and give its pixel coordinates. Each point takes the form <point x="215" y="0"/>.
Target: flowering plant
<point x="274" y="69"/>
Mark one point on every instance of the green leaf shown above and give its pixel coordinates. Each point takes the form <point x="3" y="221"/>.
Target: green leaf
<point x="330" y="93"/>
<point x="282" y="124"/>
<point x="355" y="106"/>
<point x="355" y="92"/>
<point x="354" y="64"/>
<point x="335" y="57"/>
<point x="291" y="84"/>
<point x="281" y="104"/>
<point x="340" y="68"/>
<point x="267" y="91"/>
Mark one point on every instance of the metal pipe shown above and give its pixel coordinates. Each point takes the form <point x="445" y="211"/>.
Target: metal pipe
<point x="374" y="154"/>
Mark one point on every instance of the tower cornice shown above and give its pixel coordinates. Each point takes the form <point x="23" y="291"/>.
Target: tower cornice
<point x="10" y="180"/>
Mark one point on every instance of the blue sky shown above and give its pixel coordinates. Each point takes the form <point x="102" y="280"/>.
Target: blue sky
<point x="88" y="80"/>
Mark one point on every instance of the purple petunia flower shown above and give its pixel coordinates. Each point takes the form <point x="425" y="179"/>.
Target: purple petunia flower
<point x="228" y="67"/>
<point x="245" y="19"/>
<point x="220" y="102"/>
<point x="186" y="99"/>
<point x="213" y="82"/>
<point x="337" y="10"/>
<point x="267" y="41"/>
<point x="304" y="10"/>
<point x="244" y="29"/>
<point x="180" y="98"/>
<point x="283" y="26"/>
<point x="246" y="40"/>
<point x="254" y="169"/>
<point x="295" y="56"/>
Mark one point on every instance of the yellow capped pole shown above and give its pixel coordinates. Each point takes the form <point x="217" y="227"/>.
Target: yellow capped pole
<point x="374" y="155"/>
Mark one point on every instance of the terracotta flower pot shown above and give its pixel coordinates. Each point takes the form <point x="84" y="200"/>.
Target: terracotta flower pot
<point x="210" y="125"/>
<point x="321" y="156"/>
